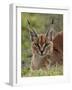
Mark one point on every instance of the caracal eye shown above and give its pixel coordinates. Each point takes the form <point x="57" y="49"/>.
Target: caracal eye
<point x="46" y="45"/>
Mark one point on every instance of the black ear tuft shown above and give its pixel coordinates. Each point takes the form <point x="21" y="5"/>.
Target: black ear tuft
<point x="33" y="34"/>
<point x="51" y="32"/>
<point x="52" y="21"/>
<point x="28" y="22"/>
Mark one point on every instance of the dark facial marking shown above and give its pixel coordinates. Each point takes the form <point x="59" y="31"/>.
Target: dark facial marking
<point x="45" y="47"/>
<point x="42" y="39"/>
<point x="37" y="45"/>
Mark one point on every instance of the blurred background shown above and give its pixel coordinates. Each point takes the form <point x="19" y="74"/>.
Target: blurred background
<point x="42" y="23"/>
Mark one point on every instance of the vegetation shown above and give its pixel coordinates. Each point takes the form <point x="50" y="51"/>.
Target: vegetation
<point x="41" y="23"/>
<point x="53" y="71"/>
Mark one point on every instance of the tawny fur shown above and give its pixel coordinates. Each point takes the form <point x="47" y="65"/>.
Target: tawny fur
<point x="53" y="54"/>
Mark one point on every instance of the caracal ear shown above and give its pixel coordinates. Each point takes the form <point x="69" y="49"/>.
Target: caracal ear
<point x="50" y="35"/>
<point x="51" y="32"/>
<point x="32" y="31"/>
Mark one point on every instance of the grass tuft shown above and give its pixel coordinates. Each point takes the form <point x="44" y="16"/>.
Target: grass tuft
<point x="53" y="71"/>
